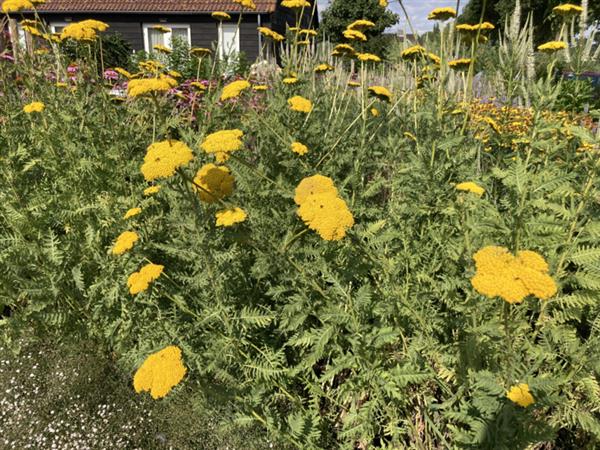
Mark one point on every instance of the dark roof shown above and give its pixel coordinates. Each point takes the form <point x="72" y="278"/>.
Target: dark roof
<point x="151" y="6"/>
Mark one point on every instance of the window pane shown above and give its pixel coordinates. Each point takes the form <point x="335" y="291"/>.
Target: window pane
<point x="155" y="37"/>
<point x="57" y="28"/>
<point x="180" y="33"/>
<point x="229" y="40"/>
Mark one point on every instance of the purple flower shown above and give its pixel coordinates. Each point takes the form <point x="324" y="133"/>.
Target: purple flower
<point x="110" y="74"/>
<point x="7" y="57"/>
<point x="72" y="69"/>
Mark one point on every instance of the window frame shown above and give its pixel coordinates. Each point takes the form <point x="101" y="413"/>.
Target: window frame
<point x="167" y="37"/>
<point x="55" y="24"/>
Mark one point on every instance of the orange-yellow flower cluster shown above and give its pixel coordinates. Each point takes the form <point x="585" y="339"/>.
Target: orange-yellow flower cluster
<point x="229" y="217"/>
<point x="512" y="278"/>
<point x="520" y="395"/>
<point x="300" y="104"/>
<point x="234" y="89"/>
<point x="160" y="372"/>
<point x="164" y="158"/>
<point x="222" y="143"/>
<point x="213" y="183"/>
<point x="140" y="281"/>
<point x="125" y="242"/>
<point x="143" y="86"/>
<point x="321" y="209"/>
<point x="86" y="30"/>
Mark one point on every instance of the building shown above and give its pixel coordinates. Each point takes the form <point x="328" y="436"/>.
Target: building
<point x="190" y="20"/>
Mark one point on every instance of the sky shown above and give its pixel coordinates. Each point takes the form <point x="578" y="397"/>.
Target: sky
<point x="416" y="9"/>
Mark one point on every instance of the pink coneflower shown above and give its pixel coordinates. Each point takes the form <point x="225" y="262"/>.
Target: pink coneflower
<point x="110" y="74"/>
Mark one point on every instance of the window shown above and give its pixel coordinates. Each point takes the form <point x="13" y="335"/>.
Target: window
<point x="57" y="27"/>
<point x="229" y="40"/>
<point x="154" y="37"/>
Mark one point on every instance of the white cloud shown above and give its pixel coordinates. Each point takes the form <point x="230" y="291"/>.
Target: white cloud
<point x="417" y="11"/>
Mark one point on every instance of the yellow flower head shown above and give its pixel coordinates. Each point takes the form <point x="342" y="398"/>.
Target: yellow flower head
<point x="164" y="158"/>
<point x="267" y="32"/>
<point x="200" y="51"/>
<point x="10" y="6"/>
<point x="321" y="68"/>
<point x="343" y="50"/>
<point x="317" y="184"/>
<point x="353" y="84"/>
<point x="470" y="187"/>
<point x="125" y="242"/>
<point x="161" y="28"/>
<point x="222" y="143"/>
<point x="520" y="395"/>
<point x="213" y="183"/>
<point x="567" y="10"/>
<point x="290" y="80"/>
<point x="143" y="86"/>
<point x="123" y="72"/>
<point x="435" y="59"/>
<point x="260" y="87"/>
<point x="460" y="64"/>
<point x="442" y="14"/>
<point x="374" y="112"/>
<point x="327" y="214"/>
<point x="151" y="190"/>
<point x="246" y="4"/>
<point x="132" y="212"/>
<point x="229" y="217"/>
<point x="308" y="32"/>
<point x="162" y="49"/>
<point x="355" y="35"/>
<point x="409" y="135"/>
<point x="383" y="3"/>
<point x="34" y="107"/>
<point x="295" y="4"/>
<point x="140" y="281"/>
<point x="381" y="93"/>
<point x="86" y="30"/>
<point x="160" y="372"/>
<point x="234" y="89"/>
<point x="360" y="24"/>
<point x="300" y="104"/>
<point x="368" y="57"/>
<point x="220" y="15"/>
<point x="512" y="278"/>
<point x="552" y="46"/>
<point x="299" y="148"/>
<point x="416" y="51"/>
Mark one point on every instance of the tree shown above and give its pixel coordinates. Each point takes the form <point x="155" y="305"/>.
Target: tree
<point x="342" y="13"/>
<point x="544" y="22"/>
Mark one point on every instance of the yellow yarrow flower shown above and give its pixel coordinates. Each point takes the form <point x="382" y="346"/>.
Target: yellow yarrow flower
<point x="552" y="46"/>
<point x="10" y="6"/>
<point x="316" y="184"/>
<point x="200" y="51"/>
<point x="460" y="64"/>
<point x="234" y="89"/>
<point x="374" y="112"/>
<point x="125" y="242"/>
<point x="295" y="4"/>
<point x="321" y="68"/>
<point x="160" y="372"/>
<point x="353" y="84"/>
<point x="34" y="107"/>
<point x="229" y="217"/>
<point x="354" y="35"/>
<point x="368" y="57"/>
<point x="260" y="87"/>
<point x="381" y="93"/>
<point x="520" y="395"/>
<point x="383" y="3"/>
<point x="308" y="32"/>
<point x="123" y="72"/>
<point x="299" y="148"/>
<point x="327" y="214"/>
<point x="162" y="49"/>
<point x="213" y="183"/>
<point x="512" y="278"/>
<point x="442" y="14"/>
<point x="222" y="143"/>
<point x="151" y="190"/>
<point x="246" y="3"/>
<point x="86" y="30"/>
<point x="290" y="80"/>
<point x="360" y="24"/>
<point x="143" y="86"/>
<point x="220" y="15"/>
<point x="161" y="28"/>
<point x="140" y="281"/>
<point x="300" y="104"/>
<point x="164" y="158"/>
<point x="267" y="32"/>
<point x="132" y="212"/>
<point x="413" y="52"/>
<point x="343" y="50"/>
<point x="567" y="10"/>
<point x="470" y="187"/>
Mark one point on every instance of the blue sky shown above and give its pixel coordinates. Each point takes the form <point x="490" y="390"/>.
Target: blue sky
<point x="417" y="10"/>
